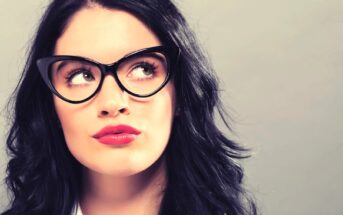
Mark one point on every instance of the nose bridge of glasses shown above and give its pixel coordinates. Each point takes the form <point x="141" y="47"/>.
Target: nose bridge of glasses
<point x="110" y="68"/>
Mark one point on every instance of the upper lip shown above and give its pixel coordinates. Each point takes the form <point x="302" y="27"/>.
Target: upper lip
<point x="117" y="129"/>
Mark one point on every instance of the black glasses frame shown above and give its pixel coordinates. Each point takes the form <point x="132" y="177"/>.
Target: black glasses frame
<point x="43" y="65"/>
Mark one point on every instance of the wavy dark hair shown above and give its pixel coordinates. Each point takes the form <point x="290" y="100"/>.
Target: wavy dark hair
<point x="203" y="174"/>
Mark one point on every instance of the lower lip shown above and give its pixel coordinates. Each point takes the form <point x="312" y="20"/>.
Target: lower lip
<point x="117" y="139"/>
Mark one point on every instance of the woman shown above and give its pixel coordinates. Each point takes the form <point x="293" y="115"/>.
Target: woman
<point x="114" y="115"/>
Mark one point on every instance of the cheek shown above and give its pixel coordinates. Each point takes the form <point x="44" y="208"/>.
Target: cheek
<point x="156" y="118"/>
<point x="157" y="115"/>
<point x="73" y="119"/>
<point x="158" y="123"/>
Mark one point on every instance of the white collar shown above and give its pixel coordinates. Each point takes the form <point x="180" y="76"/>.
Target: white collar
<point x="78" y="210"/>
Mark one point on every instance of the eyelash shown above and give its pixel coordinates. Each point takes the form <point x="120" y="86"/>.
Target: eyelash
<point x="145" y="65"/>
<point x="71" y="74"/>
<point x="150" y="66"/>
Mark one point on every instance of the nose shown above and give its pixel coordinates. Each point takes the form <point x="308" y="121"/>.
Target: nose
<point x="111" y="99"/>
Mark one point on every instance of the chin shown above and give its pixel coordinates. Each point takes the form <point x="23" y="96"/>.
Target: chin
<point x="117" y="170"/>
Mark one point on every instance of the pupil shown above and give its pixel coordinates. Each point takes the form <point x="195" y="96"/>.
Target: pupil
<point x="87" y="76"/>
<point x="147" y="71"/>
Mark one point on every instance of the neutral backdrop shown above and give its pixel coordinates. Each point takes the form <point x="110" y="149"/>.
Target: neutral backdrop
<point x="280" y="66"/>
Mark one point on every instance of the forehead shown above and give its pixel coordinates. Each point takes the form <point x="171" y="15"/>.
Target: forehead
<point x="104" y="35"/>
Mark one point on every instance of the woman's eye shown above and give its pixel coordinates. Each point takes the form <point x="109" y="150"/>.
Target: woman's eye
<point x="142" y="71"/>
<point x="80" y="77"/>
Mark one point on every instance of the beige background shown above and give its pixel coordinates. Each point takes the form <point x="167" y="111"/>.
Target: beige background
<point x="280" y="64"/>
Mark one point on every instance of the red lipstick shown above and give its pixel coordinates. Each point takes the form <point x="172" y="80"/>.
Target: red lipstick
<point x="116" y="135"/>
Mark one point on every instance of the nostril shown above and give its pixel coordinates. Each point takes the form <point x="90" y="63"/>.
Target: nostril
<point x="124" y="110"/>
<point x="104" y="113"/>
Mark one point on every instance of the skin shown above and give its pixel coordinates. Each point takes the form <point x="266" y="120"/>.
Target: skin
<point x="117" y="179"/>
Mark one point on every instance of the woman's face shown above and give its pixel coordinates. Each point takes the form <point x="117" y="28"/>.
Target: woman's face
<point x="105" y="36"/>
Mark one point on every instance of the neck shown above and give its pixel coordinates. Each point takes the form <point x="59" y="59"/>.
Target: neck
<point x="137" y="194"/>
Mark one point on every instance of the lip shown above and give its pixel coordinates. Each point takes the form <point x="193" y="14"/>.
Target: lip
<point x="117" y="135"/>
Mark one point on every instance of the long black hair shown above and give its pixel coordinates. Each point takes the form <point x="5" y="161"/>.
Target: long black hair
<point x="203" y="175"/>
